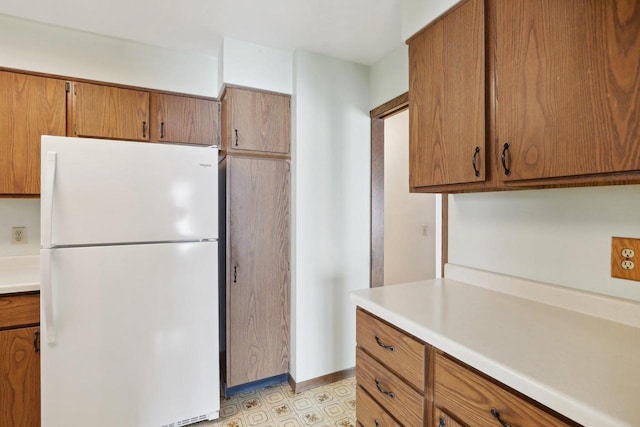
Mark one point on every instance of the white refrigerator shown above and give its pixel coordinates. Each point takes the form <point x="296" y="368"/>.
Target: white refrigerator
<point x="129" y="295"/>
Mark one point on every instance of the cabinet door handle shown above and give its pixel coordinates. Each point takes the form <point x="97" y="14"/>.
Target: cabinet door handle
<point x="235" y="274"/>
<point x="381" y="344"/>
<point x="505" y="149"/>
<point x="377" y="423"/>
<point x="443" y="422"/>
<point x="236" y="131"/>
<point x="381" y="390"/>
<point x="496" y="414"/>
<point x="474" y="159"/>
<point x="36" y="341"/>
<point x="162" y="130"/>
<point x="144" y="129"/>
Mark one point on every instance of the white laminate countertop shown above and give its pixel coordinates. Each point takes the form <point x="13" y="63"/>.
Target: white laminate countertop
<point x="584" y="367"/>
<point x="19" y="274"/>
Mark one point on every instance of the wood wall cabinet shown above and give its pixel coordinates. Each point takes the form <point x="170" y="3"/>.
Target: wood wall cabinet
<point x="545" y="105"/>
<point x="447" y="99"/>
<point x="255" y="271"/>
<point x="30" y="106"/>
<point x="255" y="121"/>
<point x="566" y="103"/>
<point x="391" y="374"/>
<point x="19" y="361"/>
<point x="185" y="120"/>
<point x="102" y="111"/>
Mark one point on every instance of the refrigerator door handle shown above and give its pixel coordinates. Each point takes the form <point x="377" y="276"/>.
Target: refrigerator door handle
<point x="46" y="293"/>
<point x="47" y="197"/>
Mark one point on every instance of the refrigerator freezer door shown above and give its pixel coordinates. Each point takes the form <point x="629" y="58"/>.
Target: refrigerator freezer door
<point x="137" y="336"/>
<point x="105" y="192"/>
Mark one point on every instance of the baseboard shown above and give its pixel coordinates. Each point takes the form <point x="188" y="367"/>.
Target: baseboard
<point x="319" y="381"/>
<point x="254" y="385"/>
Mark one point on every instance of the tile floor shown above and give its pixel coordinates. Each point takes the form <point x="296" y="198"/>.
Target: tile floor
<point x="329" y="405"/>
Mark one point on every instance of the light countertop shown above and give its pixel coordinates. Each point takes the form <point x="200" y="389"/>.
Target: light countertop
<point x="584" y="367"/>
<point x="19" y="274"/>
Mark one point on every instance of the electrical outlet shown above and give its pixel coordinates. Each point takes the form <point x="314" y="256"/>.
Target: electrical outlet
<point x="19" y="235"/>
<point x="628" y="253"/>
<point x="623" y="261"/>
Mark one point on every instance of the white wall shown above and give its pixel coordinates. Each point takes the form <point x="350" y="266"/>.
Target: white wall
<point x="331" y="163"/>
<point x="390" y="76"/>
<point x="559" y="236"/>
<point x="44" y="48"/>
<point x="260" y="67"/>
<point x="19" y="213"/>
<point x="408" y="255"/>
<point x="418" y="13"/>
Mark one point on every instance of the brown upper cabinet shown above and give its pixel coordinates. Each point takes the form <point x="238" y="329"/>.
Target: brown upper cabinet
<point x="108" y="112"/>
<point x="446" y="99"/>
<point x="182" y="119"/>
<point x="548" y="91"/>
<point x="30" y="106"/>
<point x="568" y="87"/>
<point x="255" y="121"/>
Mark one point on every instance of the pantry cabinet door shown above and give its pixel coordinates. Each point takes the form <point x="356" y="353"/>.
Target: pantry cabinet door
<point x="567" y="88"/>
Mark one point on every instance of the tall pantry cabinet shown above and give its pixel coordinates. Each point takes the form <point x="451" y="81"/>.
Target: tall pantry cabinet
<point x="254" y="224"/>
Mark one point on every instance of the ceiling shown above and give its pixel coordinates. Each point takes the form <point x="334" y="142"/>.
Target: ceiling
<point x="362" y="31"/>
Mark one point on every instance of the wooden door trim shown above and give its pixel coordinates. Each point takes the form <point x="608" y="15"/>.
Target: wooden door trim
<point x="378" y="115"/>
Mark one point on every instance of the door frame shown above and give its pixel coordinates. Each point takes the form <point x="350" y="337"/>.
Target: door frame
<point x="378" y="116"/>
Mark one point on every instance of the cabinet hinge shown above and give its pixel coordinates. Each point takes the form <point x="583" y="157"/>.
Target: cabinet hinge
<point x="67" y="86"/>
<point x="75" y="128"/>
<point x="219" y="108"/>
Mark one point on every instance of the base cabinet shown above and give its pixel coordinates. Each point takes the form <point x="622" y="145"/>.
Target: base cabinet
<point x="404" y="381"/>
<point x="19" y="361"/>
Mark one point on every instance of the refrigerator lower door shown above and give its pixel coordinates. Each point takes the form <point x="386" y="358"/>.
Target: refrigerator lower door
<point x="136" y="336"/>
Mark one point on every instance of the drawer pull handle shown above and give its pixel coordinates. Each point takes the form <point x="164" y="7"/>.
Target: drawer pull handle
<point x="496" y="414"/>
<point x="386" y="393"/>
<point x="381" y="344"/>
<point x="443" y="422"/>
<point x="377" y="423"/>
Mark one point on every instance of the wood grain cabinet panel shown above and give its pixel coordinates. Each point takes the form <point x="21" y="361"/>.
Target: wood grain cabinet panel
<point x="185" y="120"/>
<point x="398" y="398"/>
<point x="447" y="99"/>
<point x="397" y="350"/>
<point x="568" y="87"/>
<point x="442" y="419"/>
<point x="257" y="268"/>
<point x="101" y="111"/>
<point x="30" y="106"/>
<point x="477" y="401"/>
<point x="255" y="121"/>
<point x="369" y="413"/>
<point x="17" y="310"/>
<point x="19" y="378"/>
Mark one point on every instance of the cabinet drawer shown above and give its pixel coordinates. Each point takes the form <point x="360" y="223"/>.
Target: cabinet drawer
<point x="471" y="398"/>
<point x="391" y="392"/>
<point x="369" y="413"/>
<point x="400" y="352"/>
<point x="19" y="310"/>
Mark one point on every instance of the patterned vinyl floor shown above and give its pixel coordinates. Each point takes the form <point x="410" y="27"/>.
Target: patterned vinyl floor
<point x="331" y="405"/>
